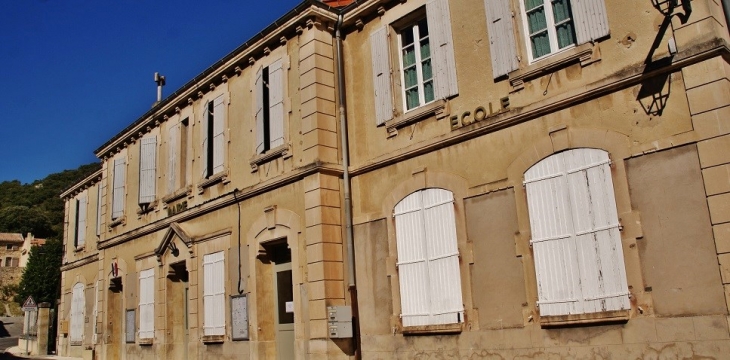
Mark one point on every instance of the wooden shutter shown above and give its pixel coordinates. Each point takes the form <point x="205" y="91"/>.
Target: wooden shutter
<point x="204" y="143"/>
<point x="442" y="45"/>
<point x="147" y="169"/>
<point x="173" y="146"/>
<point x="412" y="267"/>
<point x="447" y="306"/>
<point x="590" y="19"/>
<point x="99" y="194"/>
<point x="568" y="237"/>
<point x="81" y="222"/>
<point x="214" y="294"/>
<point x="381" y="76"/>
<point x="118" y="189"/>
<point x="502" y="44"/>
<point x="259" y="114"/>
<point x="78" y="302"/>
<point x="428" y="259"/>
<point x="219" y="138"/>
<point x="598" y="239"/>
<point x="276" y="103"/>
<point x="147" y="304"/>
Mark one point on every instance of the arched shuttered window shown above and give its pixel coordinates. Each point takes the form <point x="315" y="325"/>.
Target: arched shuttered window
<point x="78" y="303"/>
<point x="428" y="259"/>
<point x="575" y="234"/>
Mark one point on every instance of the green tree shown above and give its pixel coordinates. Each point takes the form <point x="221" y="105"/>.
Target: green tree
<point x="23" y="219"/>
<point x="42" y="275"/>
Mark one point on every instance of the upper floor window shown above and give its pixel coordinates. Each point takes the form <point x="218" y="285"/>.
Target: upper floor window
<point x="177" y="155"/>
<point x="99" y="194"/>
<point x="80" y="223"/>
<point x="147" y="169"/>
<point x="549" y="26"/>
<point x="120" y="166"/>
<point x="425" y="63"/>
<point x="576" y="241"/>
<point x="269" y="89"/>
<point x="214" y="140"/>
<point x="428" y="259"/>
<point x="417" y="72"/>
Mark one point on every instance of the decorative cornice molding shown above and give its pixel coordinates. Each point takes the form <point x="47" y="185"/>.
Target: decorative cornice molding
<point x="81" y="262"/>
<point x="82" y="185"/>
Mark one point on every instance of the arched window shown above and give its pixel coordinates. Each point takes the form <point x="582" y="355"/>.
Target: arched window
<point x="575" y="234"/>
<point x="78" y="303"/>
<point x="428" y="259"/>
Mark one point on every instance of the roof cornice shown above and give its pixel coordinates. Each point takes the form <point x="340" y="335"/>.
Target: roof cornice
<point x="82" y="185"/>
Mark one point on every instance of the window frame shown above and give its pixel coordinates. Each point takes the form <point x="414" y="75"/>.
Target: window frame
<point x="209" y="263"/>
<point x="412" y="23"/>
<point x="146" y="279"/>
<point x="76" y="314"/>
<point x="550" y="28"/>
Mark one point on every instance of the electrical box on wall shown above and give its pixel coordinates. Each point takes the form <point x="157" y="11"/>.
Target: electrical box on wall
<point x="339" y="321"/>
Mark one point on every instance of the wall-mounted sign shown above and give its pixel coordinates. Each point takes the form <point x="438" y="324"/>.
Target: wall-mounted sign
<point x="239" y="317"/>
<point x="175" y="209"/>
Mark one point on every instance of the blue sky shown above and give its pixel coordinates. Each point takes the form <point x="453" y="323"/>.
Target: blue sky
<point x="73" y="73"/>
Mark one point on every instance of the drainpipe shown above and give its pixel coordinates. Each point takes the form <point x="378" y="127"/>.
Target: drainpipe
<point x="726" y="10"/>
<point x="345" y="159"/>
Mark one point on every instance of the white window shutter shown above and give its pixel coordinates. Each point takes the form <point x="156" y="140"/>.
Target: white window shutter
<point x="147" y="169"/>
<point x="118" y="190"/>
<point x="219" y="138"/>
<point x="173" y="146"/>
<point x="204" y="143"/>
<point x="442" y="45"/>
<point x="99" y="194"/>
<point x="276" y="103"/>
<point x="259" y="106"/>
<point x="147" y="304"/>
<point x="442" y="248"/>
<point x="78" y="303"/>
<point x="502" y="44"/>
<point x="214" y="320"/>
<point x="590" y="19"/>
<point x="81" y="223"/>
<point x="412" y="266"/>
<point x="574" y="224"/>
<point x="381" y="76"/>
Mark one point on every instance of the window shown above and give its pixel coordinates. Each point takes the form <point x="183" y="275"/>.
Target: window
<point x="177" y="141"/>
<point x="98" y="209"/>
<point x="549" y="26"/>
<point x="214" y="294"/>
<point x="12" y="247"/>
<point x="147" y="169"/>
<point x="426" y="68"/>
<point x="428" y="259"/>
<point x="78" y="303"/>
<point x="118" y="188"/>
<point x="214" y="141"/>
<point x="80" y="224"/>
<point x="416" y="69"/>
<point x="147" y="304"/>
<point x="575" y="234"/>
<point x="8" y="261"/>
<point x="269" y="107"/>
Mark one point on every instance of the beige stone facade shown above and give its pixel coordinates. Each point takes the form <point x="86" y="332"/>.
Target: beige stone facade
<point x="157" y="258"/>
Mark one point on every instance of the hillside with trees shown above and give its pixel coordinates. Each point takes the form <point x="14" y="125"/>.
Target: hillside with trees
<point x="36" y="207"/>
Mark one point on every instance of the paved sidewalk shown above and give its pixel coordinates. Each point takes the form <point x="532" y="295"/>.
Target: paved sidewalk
<point x="19" y="353"/>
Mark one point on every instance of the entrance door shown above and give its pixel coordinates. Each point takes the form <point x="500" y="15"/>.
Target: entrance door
<point x="177" y="312"/>
<point x="284" y="295"/>
<point x="114" y="328"/>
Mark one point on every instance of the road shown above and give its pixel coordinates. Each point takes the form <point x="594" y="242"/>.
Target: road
<point x="10" y="329"/>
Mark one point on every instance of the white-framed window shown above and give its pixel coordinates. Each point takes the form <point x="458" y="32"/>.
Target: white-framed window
<point x="120" y="167"/>
<point x="426" y="68"/>
<point x="99" y="193"/>
<point x="147" y="304"/>
<point x="548" y="27"/>
<point x="269" y="89"/>
<point x="147" y="169"/>
<point x="213" y="135"/>
<point x="416" y="68"/>
<point x="576" y="240"/>
<point x="80" y="223"/>
<point x="428" y="259"/>
<point x="76" y="323"/>
<point x="214" y="316"/>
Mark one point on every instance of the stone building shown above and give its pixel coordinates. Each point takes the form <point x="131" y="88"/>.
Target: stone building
<point x="544" y="179"/>
<point x="10" y="253"/>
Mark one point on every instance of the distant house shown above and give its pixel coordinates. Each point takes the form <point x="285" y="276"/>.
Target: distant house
<point x="14" y="253"/>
